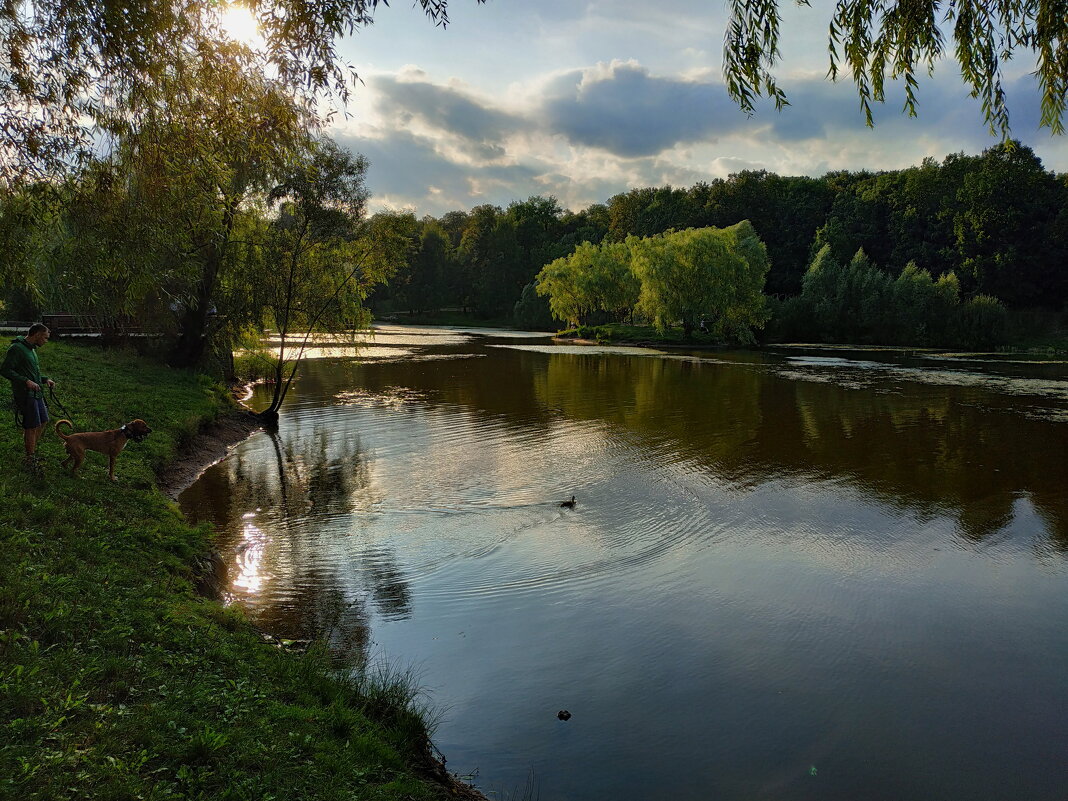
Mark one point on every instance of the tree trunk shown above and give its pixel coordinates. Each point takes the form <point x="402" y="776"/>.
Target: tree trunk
<point x="189" y="349"/>
<point x="193" y="336"/>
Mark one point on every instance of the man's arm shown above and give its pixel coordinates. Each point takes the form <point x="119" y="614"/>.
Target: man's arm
<point x="15" y="362"/>
<point x="10" y="368"/>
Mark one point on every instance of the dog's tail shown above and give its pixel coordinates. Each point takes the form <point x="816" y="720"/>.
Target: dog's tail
<point x="61" y="422"/>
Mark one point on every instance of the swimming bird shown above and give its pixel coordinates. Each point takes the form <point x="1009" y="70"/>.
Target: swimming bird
<point x="569" y="504"/>
<point x="563" y="714"/>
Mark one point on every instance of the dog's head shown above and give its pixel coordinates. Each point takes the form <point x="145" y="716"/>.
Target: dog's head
<point x="136" y="430"/>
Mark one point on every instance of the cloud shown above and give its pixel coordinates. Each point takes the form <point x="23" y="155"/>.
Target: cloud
<point x="409" y="171"/>
<point x="447" y="110"/>
<point x="586" y="134"/>
<point x="623" y="109"/>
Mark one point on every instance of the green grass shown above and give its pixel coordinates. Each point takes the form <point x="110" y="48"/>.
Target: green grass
<point x="116" y="680"/>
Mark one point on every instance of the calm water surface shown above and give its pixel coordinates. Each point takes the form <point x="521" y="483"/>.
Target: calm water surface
<point x="789" y="575"/>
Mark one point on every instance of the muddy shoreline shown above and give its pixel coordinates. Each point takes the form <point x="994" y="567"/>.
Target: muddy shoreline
<point x="209" y="446"/>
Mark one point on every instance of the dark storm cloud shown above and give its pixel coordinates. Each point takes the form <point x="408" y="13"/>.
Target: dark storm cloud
<point x="627" y="112"/>
<point x="446" y="109"/>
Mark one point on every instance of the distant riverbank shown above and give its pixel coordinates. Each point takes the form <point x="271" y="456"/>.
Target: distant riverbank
<point x="119" y="679"/>
<point x="646" y="336"/>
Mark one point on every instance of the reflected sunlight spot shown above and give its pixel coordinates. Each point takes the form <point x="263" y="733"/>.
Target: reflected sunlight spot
<point x="250" y="551"/>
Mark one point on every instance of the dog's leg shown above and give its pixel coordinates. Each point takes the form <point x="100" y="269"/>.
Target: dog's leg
<point x="111" y="467"/>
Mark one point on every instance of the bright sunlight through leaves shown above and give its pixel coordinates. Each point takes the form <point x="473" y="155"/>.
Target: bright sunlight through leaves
<point x="240" y="25"/>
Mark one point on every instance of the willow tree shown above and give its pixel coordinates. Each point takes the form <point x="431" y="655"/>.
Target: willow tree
<point x="566" y="283"/>
<point x="872" y="40"/>
<point x="703" y="273"/>
<point x="72" y="68"/>
<point x="150" y="225"/>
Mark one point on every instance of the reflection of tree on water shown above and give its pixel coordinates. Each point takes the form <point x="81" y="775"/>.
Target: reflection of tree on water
<point x="926" y="448"/>
<point x="294" y="488"/>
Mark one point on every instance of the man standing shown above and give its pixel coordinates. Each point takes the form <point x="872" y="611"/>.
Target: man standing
<point x="22" y="369"/>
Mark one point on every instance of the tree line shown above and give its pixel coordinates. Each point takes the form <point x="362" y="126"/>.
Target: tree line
<point x="993" y="225"/>
<point x="188" y="229"/>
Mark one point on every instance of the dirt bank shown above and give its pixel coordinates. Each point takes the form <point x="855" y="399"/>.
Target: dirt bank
<point x="210" y="445"/>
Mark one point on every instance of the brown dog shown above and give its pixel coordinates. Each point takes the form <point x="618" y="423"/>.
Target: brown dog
<point x="109" y="443"/>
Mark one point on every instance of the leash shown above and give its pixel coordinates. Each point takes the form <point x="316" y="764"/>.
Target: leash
<point x="52" y="397"/>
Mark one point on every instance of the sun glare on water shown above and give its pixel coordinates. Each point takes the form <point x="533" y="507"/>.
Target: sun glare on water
<point x="239" y="24"/>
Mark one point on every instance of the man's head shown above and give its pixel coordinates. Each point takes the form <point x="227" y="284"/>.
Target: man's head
<point x="37" y="335"/>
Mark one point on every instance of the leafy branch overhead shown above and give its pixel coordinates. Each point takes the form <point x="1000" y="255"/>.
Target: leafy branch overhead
<point x="871" y="40"/>
<point x="71" y="65"/>
<point x="73" y="69"/>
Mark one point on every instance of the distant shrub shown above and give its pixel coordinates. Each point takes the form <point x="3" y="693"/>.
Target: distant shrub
<point x="858" y="303"/>
<point x="980" y="323"/>
<point x="921" y="310"/>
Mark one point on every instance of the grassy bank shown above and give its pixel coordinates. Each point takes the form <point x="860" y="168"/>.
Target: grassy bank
<point x="619" y="333"/>
<point x="116" y="680"/>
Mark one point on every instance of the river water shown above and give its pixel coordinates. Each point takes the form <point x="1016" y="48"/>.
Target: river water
<point x="789" y="574"/>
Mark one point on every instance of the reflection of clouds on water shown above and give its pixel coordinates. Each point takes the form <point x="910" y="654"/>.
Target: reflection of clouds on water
<point x="310" y="490"/>
<point x="391" y="397"/>
<point x="442" y="335"/>
<point x="391" y="475"/>
<point x="869" y="372"/>
<point x="870" y="375"/>
<point x="798" y="545"/>
<point x="347" y="351"/>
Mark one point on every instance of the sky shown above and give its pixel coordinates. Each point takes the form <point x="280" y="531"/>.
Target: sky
<point x="584" y="100"/>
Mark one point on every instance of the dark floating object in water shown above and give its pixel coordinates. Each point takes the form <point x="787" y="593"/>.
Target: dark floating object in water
<point x="569" y="504"/>
<point x="563" y="714"/>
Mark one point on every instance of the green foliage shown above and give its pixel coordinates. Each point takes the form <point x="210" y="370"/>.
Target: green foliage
<point x="673" y="278"/>
<point x="857" y="303"/>
<point x="697" y="273"/>
<point x="847" y="300"/>
<point x="150" y="234"/>
<point x="116" y="679"/>
<point x="922" y="309"/>
<point x="872" y="41"/>
<point x="74" y="66"/>
<point x="981" y="323"/>
<point x="324" y="258"/>
<point x="419" y="284"/>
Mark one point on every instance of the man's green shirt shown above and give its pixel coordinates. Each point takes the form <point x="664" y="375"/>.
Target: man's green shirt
<point x="21" y="365"/>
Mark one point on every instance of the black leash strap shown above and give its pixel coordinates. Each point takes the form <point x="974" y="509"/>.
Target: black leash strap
<point x="66" y="412"/>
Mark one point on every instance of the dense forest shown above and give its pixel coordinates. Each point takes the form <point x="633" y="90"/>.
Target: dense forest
<point x="943" y="254"/>
<point x="893" y="248"/>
